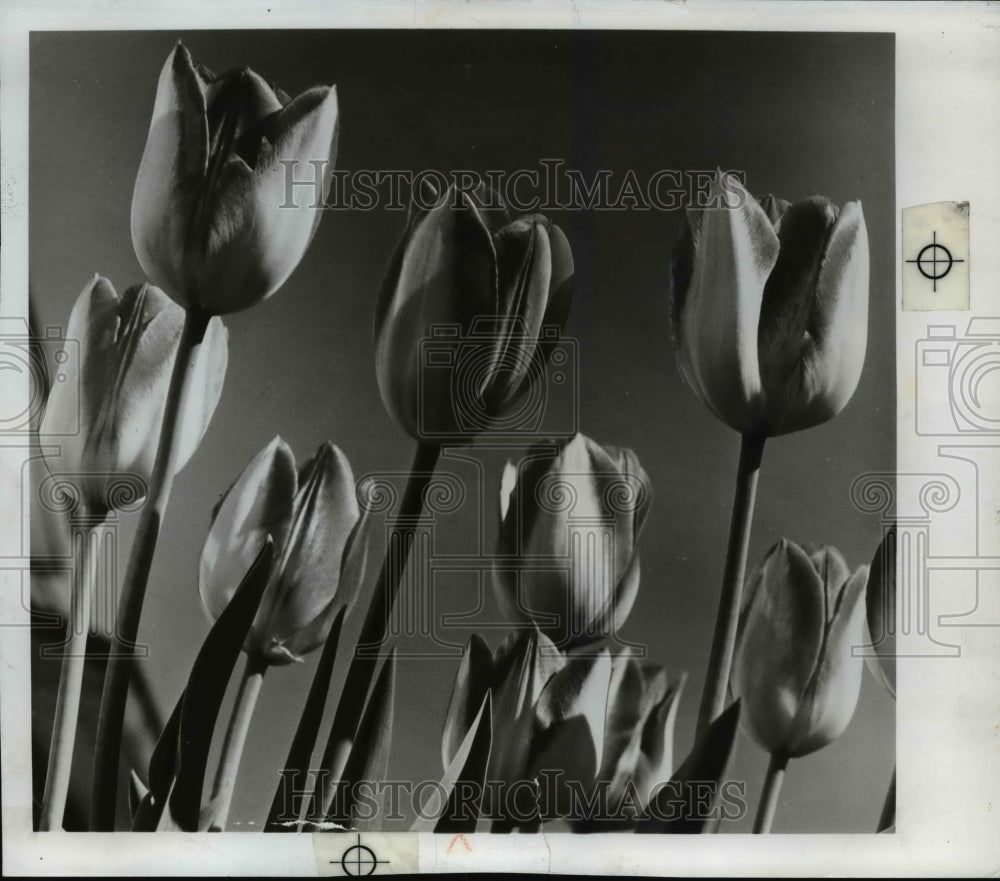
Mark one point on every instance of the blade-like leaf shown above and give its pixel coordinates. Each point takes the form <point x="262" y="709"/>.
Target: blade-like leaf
<point x="301" y="750"/>
<point x="679" y="806"/>
<point x="467" y="771"/>
<point x="162" y="762"/>
<point x="368" y="762"/>
<point x="137" y="791"/>
<point x="206" y="688"/>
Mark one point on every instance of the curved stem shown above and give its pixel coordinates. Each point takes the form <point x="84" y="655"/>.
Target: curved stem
<point x="87" y="558"/>
<point x="373" y="632"/>
<point x="713" y="698"/>
<point x="769" y="796"/>
<point x="888" y="816"/>
<point x="133" y="592"/>
<point x="236" y="738"/>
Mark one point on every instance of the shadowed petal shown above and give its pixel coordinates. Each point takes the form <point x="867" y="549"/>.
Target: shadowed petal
<point x="833" y="354"/>
<point x="257" y="505"/>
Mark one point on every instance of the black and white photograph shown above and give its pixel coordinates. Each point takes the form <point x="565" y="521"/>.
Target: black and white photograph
<point x="487" y="434"/>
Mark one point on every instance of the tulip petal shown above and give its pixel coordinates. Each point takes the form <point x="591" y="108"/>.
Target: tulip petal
<point x="249" y="208"/>
<point x="524" y="267"/>
<point x="561" y="283"/>
<point x="125" y="396"/>
<point x="803" y="231"/>
<point x="880" y="604"/>
<point x="209" y="376"/>
<point x="833" y="571"/>
<point x="780" y="645"/>
<point x="514" y="700"/>
<point x="833" y="354"/>
<point x="325" y="511"/>
<point x="718" y="286"/>
<point x="656" y="759"/>
<point x="570" y="714"/>
<point x="831" y="695"/>
<point x="624" y="715"/>
<point x="68" y="411"/>
<point x="447" y="277"/>
<point x="774" y="208"/>
<point x="258" y="504"/>
<point x="167" y="186"/>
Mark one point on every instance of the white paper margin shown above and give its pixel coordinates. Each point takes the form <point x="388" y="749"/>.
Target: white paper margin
<point x="947" y="147"/>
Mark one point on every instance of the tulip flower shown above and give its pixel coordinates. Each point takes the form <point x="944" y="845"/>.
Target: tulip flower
<point x="570" y="523"/>
<point x="496" y="282"/>
<point x="769" y="315"/>
<point x="311" y="514"/>
<point x="769" y="306"/>
<point x="116" y="391"/>
<point x="880" y="603"/>
<point x="584" y="720"/>
<point x="795" y="671"/>
<point x="213" y="221"/>
<point x="106" y="416"/>
<point x="639" y="734"/>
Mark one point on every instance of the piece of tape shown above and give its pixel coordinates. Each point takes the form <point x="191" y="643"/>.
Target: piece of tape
<point x="936" y="257"/>
<point x="366" y="853"/>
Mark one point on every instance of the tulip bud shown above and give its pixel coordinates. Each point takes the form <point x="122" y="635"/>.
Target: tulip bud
<point x="582" y="506"/>
<point x="639" y="732"/>
<point x="313" y="518"/>
<point x="117" y="389"/>
<point x="880" y="601"/>
<point x="794" y="668"/>
<point x="492" y="284"/>
<point x="515" y="673"/>
<point x="769" y="306"/>
<point x="213" y="221"/>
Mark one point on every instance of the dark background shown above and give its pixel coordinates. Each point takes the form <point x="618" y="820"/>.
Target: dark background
<point x="801" y="114"/>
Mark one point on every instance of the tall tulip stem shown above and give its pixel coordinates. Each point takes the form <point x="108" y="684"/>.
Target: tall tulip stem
<point x="888" y="816"/>
<point x="236" y="738"/>
<point x="769" y="796"/>
<point x="713" y="698"/>
<point x="86" y="552"/>
<point x="133" y="591"/>
<point x="373" y="632"/>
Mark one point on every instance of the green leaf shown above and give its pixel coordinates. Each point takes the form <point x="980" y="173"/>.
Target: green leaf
<point x="301" y="750"/>
<point x="146" y="815"/>
<point x="466" y="771"/>
<point x="368" y="761"/>
<point x="137" y="791"/>
<point x="678" y="808"/>
<point x="210" y="675"/>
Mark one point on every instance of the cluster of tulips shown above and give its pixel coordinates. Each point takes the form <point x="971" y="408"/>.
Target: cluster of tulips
<point x="769" y="316"/>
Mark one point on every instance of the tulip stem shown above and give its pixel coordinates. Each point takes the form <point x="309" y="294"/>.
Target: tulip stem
<point x="374" y="630"/>
<point x="888" y="816"/>
<point x="133" y="591"/>
<point x="769" y="796"/>
<point x="713" y="698"/>
<point x="235" y="740"/>
<point x="86" y="553"/>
